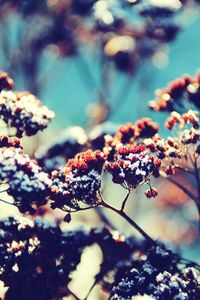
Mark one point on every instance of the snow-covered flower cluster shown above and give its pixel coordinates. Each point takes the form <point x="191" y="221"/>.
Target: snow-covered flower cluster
<point x="79" y="181"/>
<point x="132" y="166"/>
<point x="28" y="184"/>
<point x="24" y="112"/>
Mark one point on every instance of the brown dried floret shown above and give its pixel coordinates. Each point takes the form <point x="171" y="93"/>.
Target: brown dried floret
<point x="146" y="128"/>
<point x="151" y="193"/>
<point x="173" y="119"/>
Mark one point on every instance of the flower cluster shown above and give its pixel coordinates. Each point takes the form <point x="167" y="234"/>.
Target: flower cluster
<point x="130" y="44"/>
<point x="28" y="185"/>
<point x="72" y="141"/>
<point x="132" y="166"/>
<point x="24" y="112"/>
<point x="143" y="128"/>
<point x="79" y="181"/>
<point x="65" y="24"/>
<point x="6" y="82"/>
<point x="37" y="258"/>
<point x="159" y="276"/>
<point x="130" y="133"/>
<point x="175" y="151"/>
<point x="178" y="94"/>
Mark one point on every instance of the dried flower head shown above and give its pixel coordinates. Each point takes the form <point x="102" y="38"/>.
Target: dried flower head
<point x="129" y="134"/>
<point x="175" y="151"/>
<point x="28" y="185"/>
<point x="151" y="193"/>
<point x="79" y="181"/>
<point x="178" y="94"/>
<point x="24" y="112"/>
<point x="131" y="167"/>
<point x="146" y="128"/>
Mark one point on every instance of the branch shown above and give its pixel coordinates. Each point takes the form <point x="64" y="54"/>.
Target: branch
<point x="130" y="221"/>
<point x="186" y="170"/>
<point x="103" y="218"/>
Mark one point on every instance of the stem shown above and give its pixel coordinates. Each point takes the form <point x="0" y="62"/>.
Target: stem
<point x="198" y="208"/>
<point x="90" y="290"/>
<point x="191" y="263"/>
<point x="125" y="200"/>
<point x="4" y="201"/>
<point x="184" y="170"/>
<point x="85" y="72"/>
<point x="197" y="201"/>
<point x="120" y="99"/>
<point x="131" y="222"/>
<point x="72" y="294"/>
<point x="78" y="209"/>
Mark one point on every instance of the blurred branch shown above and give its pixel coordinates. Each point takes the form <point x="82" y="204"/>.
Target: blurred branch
<point x="183" y="188"/>
<point x="85" y="72"/>
<point x="103" y="218"/>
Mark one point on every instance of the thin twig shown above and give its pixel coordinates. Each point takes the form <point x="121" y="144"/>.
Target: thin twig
<point x="4" y="201"/>
<point x="90" y="290"/>
<point x="190" y="262"/>
<point x="198" y="186"/>
<point x="130" y="221"/>
<point x="103" y="218"/>
<point x="125" y="200"/>
<point x="184" y="170"/>
<point x="72" y="293"/>
<point x="79" y="209"/>
<point x="85" y="72"/>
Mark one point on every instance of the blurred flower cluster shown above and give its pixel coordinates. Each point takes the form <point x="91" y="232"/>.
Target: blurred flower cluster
<point x="178" y="95"/>
<point x="123" y="34"/>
